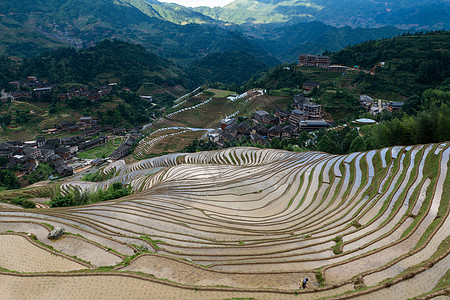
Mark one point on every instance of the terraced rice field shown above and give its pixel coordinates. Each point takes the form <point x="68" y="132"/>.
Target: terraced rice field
<point x="246" y="222"/>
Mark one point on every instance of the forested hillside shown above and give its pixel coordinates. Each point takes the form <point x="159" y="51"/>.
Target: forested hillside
<point x="430" y="14"/>
<point x="31" y="27"/>
<point x="412" y="63"/>
<point x="226" y="67"/>
<point x="128" y="64"/>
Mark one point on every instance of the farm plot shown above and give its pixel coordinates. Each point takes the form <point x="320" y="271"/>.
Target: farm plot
<point x="259" y="220"/>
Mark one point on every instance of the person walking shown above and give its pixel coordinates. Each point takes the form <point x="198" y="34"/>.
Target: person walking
<point x="303" y="283"/>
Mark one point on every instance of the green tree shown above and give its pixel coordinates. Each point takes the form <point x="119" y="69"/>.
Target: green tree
<point x="358" y="145"/>
<point x="326" y="145"/>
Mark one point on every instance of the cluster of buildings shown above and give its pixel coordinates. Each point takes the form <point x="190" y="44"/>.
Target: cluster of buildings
<point x="25" y="156"/>
<point x="306" y="116"/>
<point x="84" y="92"/>
<point x="25" y="89"/>
<point x="88" y="126"/>
<point x="372" y="105"/>
<point x="40" y="89"/>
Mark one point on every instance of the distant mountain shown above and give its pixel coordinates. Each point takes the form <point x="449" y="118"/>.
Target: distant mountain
<point x="426" y="14"/>
<point x="285" y="42"/>
<point x="84" y="23"/>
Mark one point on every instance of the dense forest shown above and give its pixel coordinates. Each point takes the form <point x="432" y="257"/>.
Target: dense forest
<point x="226" y="67"/>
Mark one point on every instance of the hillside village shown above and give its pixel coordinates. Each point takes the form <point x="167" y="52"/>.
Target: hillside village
<point x="61" y="153"/>
<point x="262" y="126"/>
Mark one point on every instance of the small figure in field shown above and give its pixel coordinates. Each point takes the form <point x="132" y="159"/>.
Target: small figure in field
<point x="303" y="283"/>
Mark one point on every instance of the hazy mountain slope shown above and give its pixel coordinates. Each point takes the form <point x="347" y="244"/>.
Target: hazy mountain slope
<point x="285" y="42"/>
<point x="86" y="22"/>
<point x="364" y="13"/>
<point x="337" y="39"/>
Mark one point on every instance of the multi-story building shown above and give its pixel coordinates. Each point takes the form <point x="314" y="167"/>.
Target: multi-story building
<point x="309" y="60"/>
<point x="312" y="110"/>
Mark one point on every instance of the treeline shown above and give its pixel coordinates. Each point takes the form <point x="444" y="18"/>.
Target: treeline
<point x="76" y="197"/>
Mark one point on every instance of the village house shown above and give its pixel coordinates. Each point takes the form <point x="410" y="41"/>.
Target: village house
<point x="33" y="152"/>
<point x="275" y="131"/>
<point x="296" y="116"/>
<point x="283" y="116"/>
<point x="90" y="132"/>
<point x="107" y="128"/>
<point x="323" y="61"/>
<point x="28" y="167"/>
<point x="72" y="129"/>
<point x="298" y="101"/>
<point x="313" y="110"/>
<point x="312" y="125"/>
<point x="120" y="152"/>
<point x="257" y="138"/>
<point x="310" y="60"/>
<point x="56" y="160"/>
<point x="42" y="92"/>
<point x="260" y="115"/>
<point x="46" y="153"/>
<point x="227" y="122"/>
<point x="214" y="135"/>
<point x="121" y="130"/>
<point x="338" y="68"/>
<point x="21" y="95"/>
<point x="232" y="129"/>
<point x="64" y="170"/>
<point x="40" y="141"/>
<point x="227" y="137"/>
<point x="259" y="129"/>
<point x="86" y="121"/>
<point x="243" y="129"/>
<point x="288" y="131"/>
<point x="6" y="153"/>
<point x="64" y="152"/>
<point x="309" y="86"/>
<point x="395" y="106"/>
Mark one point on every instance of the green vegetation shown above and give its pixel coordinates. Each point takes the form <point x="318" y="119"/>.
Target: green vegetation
<point x="320" y="277"/>
<point x="129" y="64"/>
<point x="227" y="67"/>
<point x="337" y="249"/>
<point x="154" y="243"/>
<point x="75" y="197"/>
<point x="343" y="13"/>
<point x="102" y="151"/>
<point x="413" y="63"/>
<point x="21" y="201"/>
<point x="98" y="176"/>
<point x="42" y="172"/>
<point x="8" y="180"/>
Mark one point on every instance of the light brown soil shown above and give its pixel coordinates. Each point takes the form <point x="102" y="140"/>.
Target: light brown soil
<point x="19" y="254"/>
